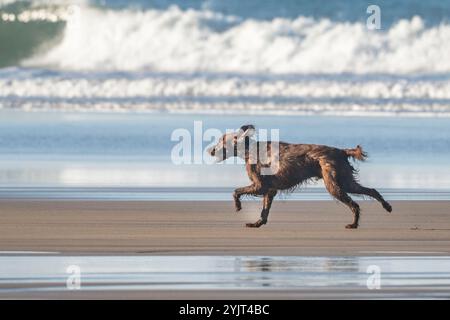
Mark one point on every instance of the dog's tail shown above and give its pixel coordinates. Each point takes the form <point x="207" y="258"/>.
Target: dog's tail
<point x="356" y="153"/>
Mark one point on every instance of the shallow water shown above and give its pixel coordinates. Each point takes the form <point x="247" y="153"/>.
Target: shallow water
<point x="129" y="155"/>
<point x="409" y="276"/>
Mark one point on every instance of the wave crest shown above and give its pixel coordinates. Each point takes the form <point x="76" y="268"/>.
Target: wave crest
<point x="174" y="40"/>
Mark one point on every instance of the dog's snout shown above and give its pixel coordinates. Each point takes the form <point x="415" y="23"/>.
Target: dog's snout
<point x="212" y="151"/>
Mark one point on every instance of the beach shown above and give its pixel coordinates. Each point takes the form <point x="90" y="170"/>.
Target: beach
<point x="213" y="228"/>
<point x="109" y="110"/>
<point x="201" y="250"/>
<point x="100" y="193"/>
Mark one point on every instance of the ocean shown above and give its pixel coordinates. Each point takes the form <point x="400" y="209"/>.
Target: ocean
<point x="275" y="57"/>
<point x="91" y="91"/>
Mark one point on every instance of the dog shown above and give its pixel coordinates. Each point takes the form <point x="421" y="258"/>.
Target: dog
<point x="296" y="165"/>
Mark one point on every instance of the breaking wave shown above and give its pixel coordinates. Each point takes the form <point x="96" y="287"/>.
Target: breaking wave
<point x="80" y="55"/>
<point x="176" y="40"/>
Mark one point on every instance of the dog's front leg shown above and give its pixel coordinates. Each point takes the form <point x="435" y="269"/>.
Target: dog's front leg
<point x="267" y="203"/>
<point x="252" y="190"/>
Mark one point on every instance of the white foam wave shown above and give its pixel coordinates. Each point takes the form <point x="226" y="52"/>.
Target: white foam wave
<point x="326" y="94"/>
<point x="44" y="3"/>
<point x="174" y="40"/>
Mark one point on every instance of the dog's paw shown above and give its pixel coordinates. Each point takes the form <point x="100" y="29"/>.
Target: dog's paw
<point x="387" y="207"/>
<point x="351" y="226"/>
<point x="256" y="224"/>
<point x="253" y="225"/>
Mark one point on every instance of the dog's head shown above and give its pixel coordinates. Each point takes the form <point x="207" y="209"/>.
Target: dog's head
<point x="232" y="144"/>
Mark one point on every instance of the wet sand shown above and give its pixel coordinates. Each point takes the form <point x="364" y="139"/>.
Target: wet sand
<point x="300" y="228"/>
<point x="40" y="238"/>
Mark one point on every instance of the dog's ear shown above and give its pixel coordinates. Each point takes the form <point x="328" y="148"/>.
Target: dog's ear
<point x="246" y="127"/>
<point x="247" y="130"/>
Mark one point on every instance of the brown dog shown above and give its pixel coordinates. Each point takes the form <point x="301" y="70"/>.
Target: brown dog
<point x="296" y="164"/>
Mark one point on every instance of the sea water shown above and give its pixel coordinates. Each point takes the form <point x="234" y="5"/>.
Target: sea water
<point x="279" y="57"/>
<point x="115" y="155"/>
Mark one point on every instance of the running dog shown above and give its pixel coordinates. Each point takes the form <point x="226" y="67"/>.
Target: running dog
<point x="296" y="164"/>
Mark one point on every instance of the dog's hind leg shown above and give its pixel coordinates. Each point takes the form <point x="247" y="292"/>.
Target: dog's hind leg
<point x="329" y="178"/>
<point x="356" y="188"/>
<point x="267" y="203"/>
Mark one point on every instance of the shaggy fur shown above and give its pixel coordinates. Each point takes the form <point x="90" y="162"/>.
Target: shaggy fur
<point x="298" y="163"/>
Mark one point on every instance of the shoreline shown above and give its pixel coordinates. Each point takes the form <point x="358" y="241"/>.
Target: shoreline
<point x="202" y="194"/>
